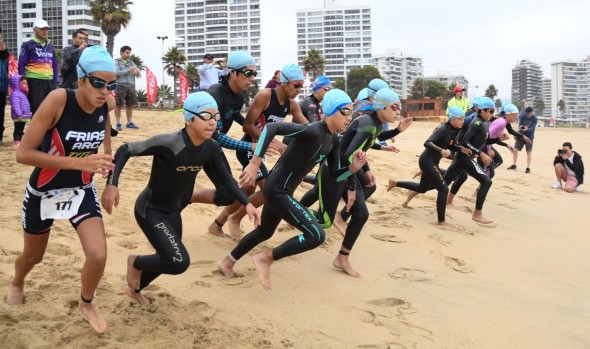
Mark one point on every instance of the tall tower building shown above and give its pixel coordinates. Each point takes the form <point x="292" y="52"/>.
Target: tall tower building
<point x="341" y="34"/>
<point x="64" y="17"/>
<point x="527" y="82"/>
<point x="547" y="101"/>
<point x="217" y="27"/>
<point x="399" y="70"/>
<point x="570" y="82"/>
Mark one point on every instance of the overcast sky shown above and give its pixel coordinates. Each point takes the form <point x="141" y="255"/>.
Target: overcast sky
<point x="481" y="40"/>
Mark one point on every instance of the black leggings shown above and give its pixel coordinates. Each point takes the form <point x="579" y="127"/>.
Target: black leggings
<point x="432" y="177"/>
<point x="164" y="231"/>
<point x="363" y="180"/>
<point x="497" y="161"/>
<point x="19" y="130"/>
<point x="279" y="205"/>
<point x="329" y="192"/>
<point x="463" y="163"/>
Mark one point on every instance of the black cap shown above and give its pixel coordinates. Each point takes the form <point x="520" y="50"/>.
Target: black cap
<point x="529" y="109"/>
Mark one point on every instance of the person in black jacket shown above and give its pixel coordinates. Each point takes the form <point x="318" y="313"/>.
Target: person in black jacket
<point x="569" y="168"/>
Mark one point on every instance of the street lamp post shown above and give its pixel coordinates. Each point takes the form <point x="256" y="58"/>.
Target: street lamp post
<point x="162" y="38"/>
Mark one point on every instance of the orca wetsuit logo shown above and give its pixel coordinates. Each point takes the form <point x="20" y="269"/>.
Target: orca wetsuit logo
<point x="189" y="168"/>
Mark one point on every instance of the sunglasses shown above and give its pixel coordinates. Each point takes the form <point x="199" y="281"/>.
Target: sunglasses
<point x="395" y="107"/>
<point x="248" y="73"/>
<point x="205" y="115"/>
<point x="99" y="83"/>
<point x="488" y="110"/>
<point x="345" y="111"/>
<point x="327" y="88"/>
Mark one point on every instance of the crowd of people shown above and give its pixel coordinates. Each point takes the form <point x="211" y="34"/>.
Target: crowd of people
<point x="329" y="130"/>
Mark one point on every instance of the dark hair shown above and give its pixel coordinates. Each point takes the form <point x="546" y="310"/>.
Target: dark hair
<point x="125" y="48"/>
<point x="208" y="56"/>
<point x="528" y="110"/>
<point x="22" y="77"/>
<point x="79" y="31"/>
<point x="568" y="144"/>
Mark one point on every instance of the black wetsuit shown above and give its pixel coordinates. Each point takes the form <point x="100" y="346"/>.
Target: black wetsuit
<point x="230" y="105"/>
<point x="311" y="144"/>
<point x="475" y="140"/>
<point x="443" y="137"/>
<point x="310" y="108"/>
<point x="360" y="136"/>
<point x="175" y="166"/>
<point x="76" y="134"/>
<point x="276" y="112"/>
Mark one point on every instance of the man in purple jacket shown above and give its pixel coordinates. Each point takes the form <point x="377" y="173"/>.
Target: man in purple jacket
<point x="38" y="62"/>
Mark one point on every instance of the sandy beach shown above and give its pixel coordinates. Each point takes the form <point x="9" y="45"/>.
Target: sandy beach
<point x="522" y="283"/>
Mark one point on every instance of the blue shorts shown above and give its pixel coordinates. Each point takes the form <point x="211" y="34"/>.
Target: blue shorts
<point x="31" y="214"/>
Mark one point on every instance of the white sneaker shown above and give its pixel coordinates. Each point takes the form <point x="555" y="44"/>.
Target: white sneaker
<point x="556" y="185"/>
<point x="579" y="188"/>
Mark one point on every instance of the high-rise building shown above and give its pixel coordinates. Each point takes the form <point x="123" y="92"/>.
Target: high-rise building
<point x="570" y="83"/>
<point x="527" y="82"/>
<point x="547" y="102"/>
<point x="449" y="78"/>
<point x="342" y="34"/>
<point x="64" y="17"/>
<point x="217" y="27"/>
<point x="399" y="70"/>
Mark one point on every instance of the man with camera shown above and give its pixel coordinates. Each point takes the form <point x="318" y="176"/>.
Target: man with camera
<point x="527" y="123"/>
<point x="569" y="168"/>
<point x="209" y="71"/>
<point x="70" y="56"/>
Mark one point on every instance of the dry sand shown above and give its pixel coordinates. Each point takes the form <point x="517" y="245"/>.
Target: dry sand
<point x="521" y="284"/>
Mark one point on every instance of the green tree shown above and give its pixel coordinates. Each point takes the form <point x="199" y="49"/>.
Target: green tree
<point x="314" y="62"/>
<point x="192" y="74"/>
<point x="519" y="105"/>
<point x="561" y="106"/>
<point x="165" y="93"/>
<point x="138" y="62"/>
<point x="452" y="85"/>
<point x="428" y="88"/>
<point x="141" y="95"/>
<point x="358" y="78"/>
<point x="113" y="15"/>
<point x="539" y="106"/>
<point x="339" y="84"/>
<point x="173" y="60"/>
<point x="491" y="91"/>
<point x="498" y="103"/>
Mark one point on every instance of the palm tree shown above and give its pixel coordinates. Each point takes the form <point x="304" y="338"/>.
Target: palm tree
<point x="540" y="106"/>
<point x="173" y="60"/>
<point x="561" y="106"/>
<point x="138" y="62"/>
<point x="491" y="91"/>
<point x="192" y="74"/>
<point x="141" y="95"/>
<point x="164" y="92"/>
<point x="314" y="62"/>
<point x="112" y="15"/>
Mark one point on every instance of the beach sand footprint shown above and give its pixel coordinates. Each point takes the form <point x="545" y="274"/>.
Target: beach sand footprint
<point x="388" y="238"/>
<point x="459" y="265"/>
<point x="440" y="239"/>
<point x="402" y="307"/>
<point x="453" y="228"/>
<point x="411" y="274"/>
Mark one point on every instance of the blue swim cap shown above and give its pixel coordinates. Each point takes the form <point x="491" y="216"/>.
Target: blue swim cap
<point x="239" y="60"/>
<point x="333" y="100"/>
<point x="384" y="97"/>
<point x="291" y="72"/>
<point x="374" y="86"/>
<point x="363" y="94"/>
<point x="95" y="58"/>
<point x="475" y="102"/>
<point x="320" y="82"/>
<point x="509" y="108"/>
<point x="455" y="112"/>
<point x="196" y="103"/>
<point x="486" y="103"/>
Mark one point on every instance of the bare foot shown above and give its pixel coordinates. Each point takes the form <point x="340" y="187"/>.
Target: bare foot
<point x="226" y="267"/>
<point x="341" y="263"/>
<point x="450" y="205"/>
<point x="216" y="229"/>
<point x="97" y="322"/>
<point x="340" y="224"/>
<point x="15" y="295"/>
<point x="233" y="224"/>
<point x="479" y="218"/>
<point x="392" y="184"/>
<point x="138" y="297"/>
<point x="262" y="262"/>
<point x="133" y="274"/>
